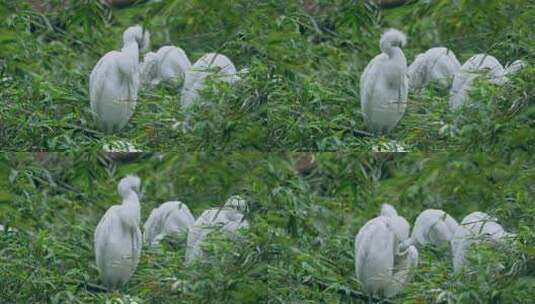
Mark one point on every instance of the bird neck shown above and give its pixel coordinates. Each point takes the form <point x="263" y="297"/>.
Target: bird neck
<point x="131" y="206"/>
<point x="394" y="52"/>
<point x="131" y="49"/>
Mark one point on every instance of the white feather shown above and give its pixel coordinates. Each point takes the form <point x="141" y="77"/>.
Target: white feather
<point x="214" y="66"/>
<point x="114" y="82"/>
<point x="170" y="218"/>
<point x="437" y="64"/>
<point x="384" y="85"/>
<point x="118" y="237"/>
<point x="381" y="269"/>
<point x="477" y="66"/>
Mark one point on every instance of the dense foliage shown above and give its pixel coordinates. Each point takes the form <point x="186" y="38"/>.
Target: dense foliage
<point x="299" y="248"/>
<point x="305" y="59"/>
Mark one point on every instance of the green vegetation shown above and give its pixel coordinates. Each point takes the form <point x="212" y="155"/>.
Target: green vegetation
<point x="299" y="248"/>
<point x="305" y="61"/>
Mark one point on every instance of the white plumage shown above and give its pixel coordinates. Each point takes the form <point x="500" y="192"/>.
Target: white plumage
<point x="170" y="218"/>
<point x="384" y="85"/>
<point x="401" y="227"/>
<point x="118" y="237"/>
<point x="478" y="65"/>
<point x="434" y="227"/>
<point x="227" y="219"/>
<point x="380" y="267"/>
<point x="114" y="82"/>
<point x="438" y="64"/>
<point x="169" y="63"/>
<point x="475" y="226"/>
<point x="210" y="66"/>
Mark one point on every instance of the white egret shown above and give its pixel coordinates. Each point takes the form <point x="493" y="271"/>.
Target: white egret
<point x="380" y="266"/>
<point x="437" y="64"/>
<point x="114" y="82"/>
<point x="228" y="219"/>
<point x="475" y="227"/>
<point x="118" y="236"/>
<point x="171" y="218"/>
<point x="432" y="226"/>
<point x="170" y="64"/>
<point x="402" y="227"/>
<point x="211" y="65"/>
<point x="478" y="65"/>
<point x="384" y="84"/>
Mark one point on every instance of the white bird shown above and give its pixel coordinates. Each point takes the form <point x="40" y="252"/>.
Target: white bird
<point x="437" y="64"/>
<point x="169" y="64"/>
<point x="478" y="65"/>
<point x="384" y="84"/>
<point x="228" y="219"/>
<point x="402" y="227"/>
<point x="380" y="266"/>
<point x="475" y="227"/>
<point x="118" y="236"/>
<point x="114" y="82"/>
<point x="432" y="226"/>
<point x="210" y="66"/>
<point x="170" y="218"/>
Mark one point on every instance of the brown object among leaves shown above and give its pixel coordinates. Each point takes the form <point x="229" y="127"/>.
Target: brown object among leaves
<point x="390" y="3"/>
<point x="305" y="163"/>
<point x="118" y="3"/>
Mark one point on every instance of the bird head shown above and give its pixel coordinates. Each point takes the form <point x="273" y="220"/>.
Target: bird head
<point x="139" y="35"/>
<point x="236" y="202"/>
<point x="129" y="183"/>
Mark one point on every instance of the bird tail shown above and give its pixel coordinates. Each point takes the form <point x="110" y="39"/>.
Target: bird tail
<point x="392" y="38"/>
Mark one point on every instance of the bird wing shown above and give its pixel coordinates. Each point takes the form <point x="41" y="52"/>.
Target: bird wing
<point x="105" y="227"/>
<point x="99" y="75"/>
<point x="368" y="81"/>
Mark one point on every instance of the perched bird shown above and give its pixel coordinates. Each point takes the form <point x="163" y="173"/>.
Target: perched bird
<point x="476" y="226"/>
<point x="227" y="219"/>
<point x="432" y="226"/>
<point x="437" y="64"/>
<point x="380" y="267"/>
<point x="402" y="227"/>
<point x="478" y="65"/>
<point x="384" y="84"/>
<point x="169" y="64"/>
<point x="114" y="82"/>
<point x="118" y="237"/>
<point x="210" y="66"/>
<point x="171" y="218"/>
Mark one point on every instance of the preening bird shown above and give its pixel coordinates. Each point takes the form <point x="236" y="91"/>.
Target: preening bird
<point x="478" y="65"/>
<point x="170" y="64"/>
<point x="402" y="227"/>
<point x="438" y="64"/>
<point x="210" y="66"/>
<point x="476" y="226"/>
<point x="114" y="82"/>
<point x="380" y="266"/>
<point x="432" y="226"/>
<point x="171" y="218"/>
<point x="118" y="236"/>
<point x="384" y="84"/>
<point x="228" y="219"/>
